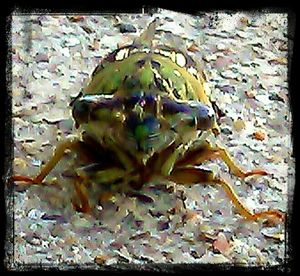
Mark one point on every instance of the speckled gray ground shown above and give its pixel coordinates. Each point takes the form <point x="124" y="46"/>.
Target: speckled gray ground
<point x="245" y="59"/>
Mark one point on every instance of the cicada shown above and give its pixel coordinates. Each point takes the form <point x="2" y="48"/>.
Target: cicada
<point x="145" y="115"/>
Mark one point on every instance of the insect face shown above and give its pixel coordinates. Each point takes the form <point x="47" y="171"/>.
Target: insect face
<point x="143" y="122"/>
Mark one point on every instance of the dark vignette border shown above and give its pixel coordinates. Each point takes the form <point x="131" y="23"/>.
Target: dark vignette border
<point x="290" y="262"/>
<point x="8" y="201"/>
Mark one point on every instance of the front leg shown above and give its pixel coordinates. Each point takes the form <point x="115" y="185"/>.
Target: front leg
<point x="110" y="180"/>
<point x="68" y="144"/>
<point x="208" y="152"/>
<point x="189" y="176"/>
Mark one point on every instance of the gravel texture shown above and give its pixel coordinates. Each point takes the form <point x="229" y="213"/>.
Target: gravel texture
<point x="245" y="59"/>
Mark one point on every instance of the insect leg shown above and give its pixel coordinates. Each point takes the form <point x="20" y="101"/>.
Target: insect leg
<point x="103" y="178"/>
<point x="208" y="152"/>
<point x="69" y="143"/>
<point x="122" y="156"/>
<point x="190" y="176"/>
<point x="81" y="190"/>
<point x="156" y="162"/>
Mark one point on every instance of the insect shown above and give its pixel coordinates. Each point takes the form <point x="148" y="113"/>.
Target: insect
<point x="145" y="115"/>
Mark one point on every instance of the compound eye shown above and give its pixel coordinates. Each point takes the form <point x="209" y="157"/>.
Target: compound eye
<point x="204" y="115"/>
<point x="193" y="113"/>
<point x="80" y="112"/>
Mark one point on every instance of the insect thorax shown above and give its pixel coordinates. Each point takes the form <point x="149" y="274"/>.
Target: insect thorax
<point x="142" y="99"/>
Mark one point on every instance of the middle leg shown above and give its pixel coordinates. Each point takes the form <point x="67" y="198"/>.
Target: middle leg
<point x="208" y="152"/>
<point x="189" y="176"/>
<point x="104" y="177"/>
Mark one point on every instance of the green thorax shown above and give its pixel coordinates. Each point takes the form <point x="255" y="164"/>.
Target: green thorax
<point x="142" y="66"/>
<point x="144" y="97"/>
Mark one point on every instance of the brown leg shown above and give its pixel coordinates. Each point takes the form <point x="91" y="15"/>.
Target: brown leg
<point x="81" y="190"/>
<point x="156" y="162"/>
<point x="94" y="173"/>
<point x="208" y="152"/>
<point x="64" y="145"/>
<point x="190" y="176"/>
<point x="80" y="186"/>
<point x="126" y="160"/>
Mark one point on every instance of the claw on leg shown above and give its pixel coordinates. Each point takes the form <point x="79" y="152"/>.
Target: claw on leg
<point x="208" y="152"/>
<point x="243" y="210"/>
<point x="22" y="178"/>
<point x="270" y="215"/>
<point x="196" y="175"/>
<point x="69" y="143"/>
